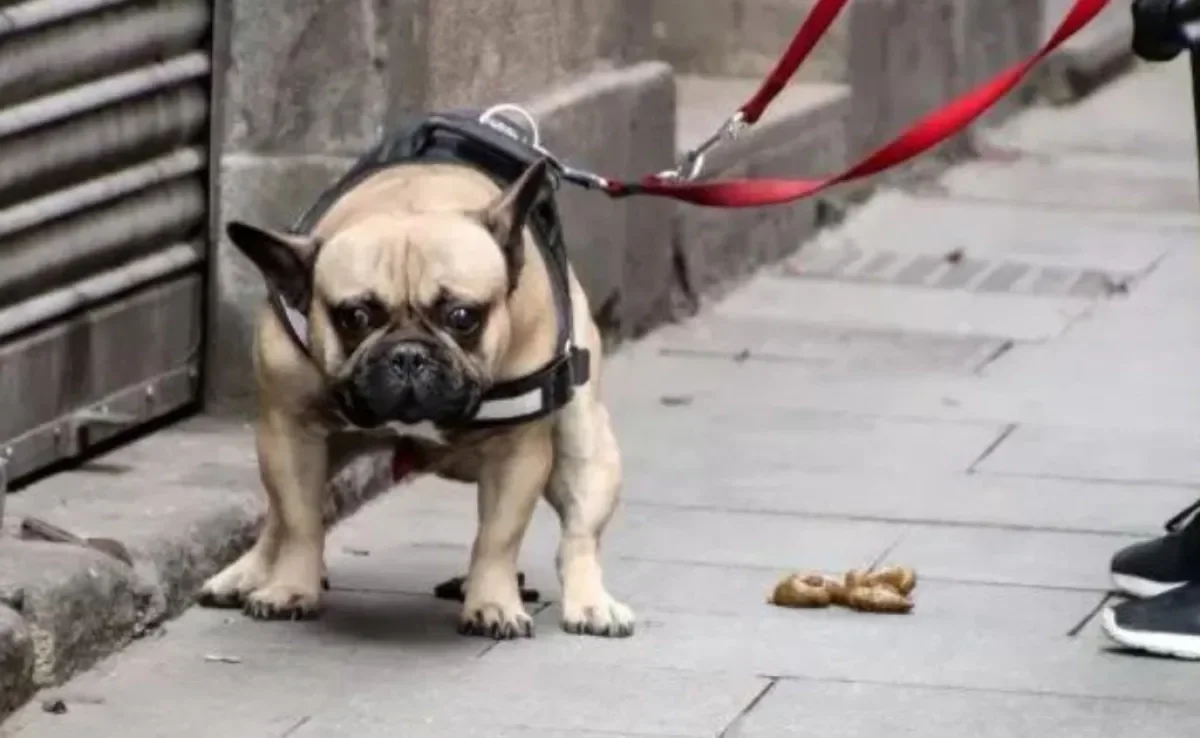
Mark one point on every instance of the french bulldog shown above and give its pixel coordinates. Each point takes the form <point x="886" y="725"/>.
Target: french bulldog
<point x="423" y="287"/>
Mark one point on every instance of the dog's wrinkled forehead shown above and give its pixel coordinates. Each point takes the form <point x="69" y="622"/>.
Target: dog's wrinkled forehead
<point x="412" y="260"/>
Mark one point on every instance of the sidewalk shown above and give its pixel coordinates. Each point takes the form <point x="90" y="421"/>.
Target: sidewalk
<point x="992" y="380"/>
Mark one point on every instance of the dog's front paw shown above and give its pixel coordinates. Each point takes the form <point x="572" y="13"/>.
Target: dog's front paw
<point x="231" y="586"/>
<point x="493" y="620"/>
<point x="283" y="602"/>
<point x="601" y="616"/>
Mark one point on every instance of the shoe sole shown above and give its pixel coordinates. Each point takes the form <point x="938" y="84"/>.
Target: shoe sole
<point x="1161" y="644"/>
<point x="1132" y="586"/>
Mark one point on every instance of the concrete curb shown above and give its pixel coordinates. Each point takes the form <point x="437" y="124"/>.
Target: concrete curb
<point x="64" y="607"/>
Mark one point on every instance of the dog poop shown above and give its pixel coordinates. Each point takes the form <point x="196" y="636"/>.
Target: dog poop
<point x="801" y="590"/>
<point x="877" y="598"/>
<point x="884" y="590"/>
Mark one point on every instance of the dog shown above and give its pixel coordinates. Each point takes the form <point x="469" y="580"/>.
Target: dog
<point x="424" y="288"/>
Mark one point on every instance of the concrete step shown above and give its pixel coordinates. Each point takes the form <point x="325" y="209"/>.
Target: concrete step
<point x="802" y="135"/>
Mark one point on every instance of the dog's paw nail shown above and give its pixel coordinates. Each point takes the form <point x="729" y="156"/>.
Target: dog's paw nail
<point x="220" y="601"/>
<point x="294" y="607"/>
<point x="609" y="620"/>
<point x="494" y="621"/>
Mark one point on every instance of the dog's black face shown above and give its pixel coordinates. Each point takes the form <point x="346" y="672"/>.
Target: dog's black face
<point x="410" y="380"/>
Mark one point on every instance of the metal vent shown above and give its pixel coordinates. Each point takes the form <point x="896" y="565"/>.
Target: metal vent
<point x="953" y="271"/>
<point x="104" y="181"/>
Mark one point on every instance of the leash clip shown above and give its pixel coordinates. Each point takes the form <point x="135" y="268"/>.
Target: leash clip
<point x="693" y="161"/>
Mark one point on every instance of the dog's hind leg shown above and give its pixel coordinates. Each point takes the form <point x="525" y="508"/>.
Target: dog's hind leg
<point x="584" y="489"/>
<point x="510" y="483"/>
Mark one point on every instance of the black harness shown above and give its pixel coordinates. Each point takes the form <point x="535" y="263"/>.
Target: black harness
<point x="503" y="155"/>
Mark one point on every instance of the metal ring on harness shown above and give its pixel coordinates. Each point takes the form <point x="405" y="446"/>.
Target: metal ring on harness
<point x="488" y="117"/>
<point x="581" y="177"/>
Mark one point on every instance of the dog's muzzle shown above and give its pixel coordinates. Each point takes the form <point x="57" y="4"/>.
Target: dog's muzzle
<point x="408" y="381"/>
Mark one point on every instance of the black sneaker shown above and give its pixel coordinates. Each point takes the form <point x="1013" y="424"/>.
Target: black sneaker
<point x="1152" y="567"/>
<point x="1167" y="624"/>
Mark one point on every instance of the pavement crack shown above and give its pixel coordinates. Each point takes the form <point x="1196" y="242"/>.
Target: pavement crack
<point x="296" y="726"/>
<point x="995" y="356"/>
<point x="734" y="728"/>
<point x="995" y="444"/>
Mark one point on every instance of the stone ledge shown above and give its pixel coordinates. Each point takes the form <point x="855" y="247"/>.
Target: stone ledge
<point x="620" y="123"/>
<point x="803" y="135"/>
<point x="184" y="501"/>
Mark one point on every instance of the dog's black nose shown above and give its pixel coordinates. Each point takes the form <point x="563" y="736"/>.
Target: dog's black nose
<point x="409" y="358"/>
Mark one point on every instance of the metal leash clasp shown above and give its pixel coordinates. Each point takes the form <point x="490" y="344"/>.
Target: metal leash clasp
<point x="582" y="177"/>
<point x="693" y="161"/>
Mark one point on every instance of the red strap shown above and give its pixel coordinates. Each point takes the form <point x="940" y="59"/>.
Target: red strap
<point x="819" y="19"/>
<point x="926" y="133"/>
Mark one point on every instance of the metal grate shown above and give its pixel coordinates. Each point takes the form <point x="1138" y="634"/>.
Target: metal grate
<point x="953" y="271"/>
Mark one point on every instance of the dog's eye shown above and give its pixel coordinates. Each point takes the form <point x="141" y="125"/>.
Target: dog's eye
<point x="354" y="319"/>
<point x="463" y="319"/>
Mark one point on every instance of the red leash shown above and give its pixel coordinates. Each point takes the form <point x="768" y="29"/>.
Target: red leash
<point x="926" y="133"/>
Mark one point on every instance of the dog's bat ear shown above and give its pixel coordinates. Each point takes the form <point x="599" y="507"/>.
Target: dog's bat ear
<point x="285" y="259"/>
<point x="505" y="217"/>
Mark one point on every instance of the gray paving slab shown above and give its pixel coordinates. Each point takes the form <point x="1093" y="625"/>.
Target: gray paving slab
<point x="1150" y="400"/>
<point x="849" y="647"/>
<point x="1029" y="557"/>
<point x="838" y="710"/>
<point x="823" y="348"/>
<point x="898" y="308"/>
<point x="906" y="223"/>
<point x="389" y="726"/>
<point x="1148" y="114"/>
<point x="704" y="436"/>
<point x="1162" y="457"/>
<point x="1062" y="186"/>
<point x="957" y="500"/>
<point x="567" y="698"/>
<point x="215" y="673"/>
